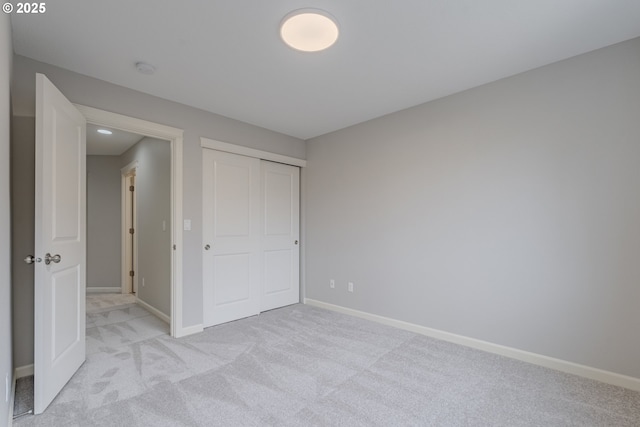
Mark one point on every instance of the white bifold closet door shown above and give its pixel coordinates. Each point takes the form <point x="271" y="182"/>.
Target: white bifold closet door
<point x="250" y="236"/>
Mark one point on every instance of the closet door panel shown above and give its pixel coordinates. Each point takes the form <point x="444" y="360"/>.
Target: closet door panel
<point x="231" y="237"/>
<point x="280" y="211"/>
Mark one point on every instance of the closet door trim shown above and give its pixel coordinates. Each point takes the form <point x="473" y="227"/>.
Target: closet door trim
<point x="251" y="152"/>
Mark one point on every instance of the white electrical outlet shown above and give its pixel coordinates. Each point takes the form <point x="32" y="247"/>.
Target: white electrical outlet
<point x="350" y="287"/>
<point x="332" y="283"/>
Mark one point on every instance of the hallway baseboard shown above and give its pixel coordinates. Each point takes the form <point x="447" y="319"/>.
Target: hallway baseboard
<point x="104" y="290"/>
<point x="23" y="371"/>
<point x="160" y="315"/>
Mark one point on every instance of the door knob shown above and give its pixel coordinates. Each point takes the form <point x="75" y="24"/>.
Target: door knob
<point x="295" y="243"/>
<point x="207" y="247"/>
<point x="48" y="259"/>
<point x="30" y="259"/>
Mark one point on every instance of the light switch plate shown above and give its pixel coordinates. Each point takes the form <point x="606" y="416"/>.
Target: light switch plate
<point x="187" y="225"/>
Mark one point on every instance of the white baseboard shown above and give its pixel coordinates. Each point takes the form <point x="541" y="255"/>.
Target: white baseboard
<point x="189" y="330"/>
<point x="160" y="315"/>
<point x="104" y="290"/>
<point x="12" y="399"/>
<point x="525" y="356"/>
<point x="19" y="372"/>
<point x="23" y="371"/>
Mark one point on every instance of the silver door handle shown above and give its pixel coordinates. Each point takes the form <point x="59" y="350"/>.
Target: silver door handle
<point x="48" y="259"/>
<point x="30" y="259"/>
<point x="207" y="247"/>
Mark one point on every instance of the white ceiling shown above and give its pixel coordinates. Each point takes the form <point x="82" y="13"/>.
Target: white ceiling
<point x="226" y="57"/>
<point x="109" y="145"/>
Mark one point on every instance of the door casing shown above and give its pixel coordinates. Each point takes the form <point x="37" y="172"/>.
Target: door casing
<point x="129" y="245"/>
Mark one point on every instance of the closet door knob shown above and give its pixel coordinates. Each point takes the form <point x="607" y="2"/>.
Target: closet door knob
<point x="207" y="247"/>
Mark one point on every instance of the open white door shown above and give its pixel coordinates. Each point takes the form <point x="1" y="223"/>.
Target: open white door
<point x="60" y="242"/>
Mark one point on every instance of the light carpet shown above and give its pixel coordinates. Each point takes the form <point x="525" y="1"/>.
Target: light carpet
<point x="99" y="301"/>
<point x="305" y="366"/>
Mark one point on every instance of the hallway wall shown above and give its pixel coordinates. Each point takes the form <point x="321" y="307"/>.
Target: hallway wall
<point x="153" y="208"/>
<point x="103" y="222"/>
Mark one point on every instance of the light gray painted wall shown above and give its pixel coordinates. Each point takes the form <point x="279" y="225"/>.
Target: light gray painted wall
<point x="508" y="213"/>
<point x="153" y="206"/>
<point x="6" y="349"/>
<point x="104" y="214"/>
<point x="23" y="140"/>
<point x="195" y="123"/>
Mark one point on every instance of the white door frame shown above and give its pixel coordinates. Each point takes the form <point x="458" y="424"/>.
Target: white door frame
<point x="174" y="135"/>
<point x="125" y="208"/>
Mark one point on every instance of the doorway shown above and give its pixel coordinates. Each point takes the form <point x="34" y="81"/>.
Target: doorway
<point x="128" y="219"/>
<point x="174" y="136"/>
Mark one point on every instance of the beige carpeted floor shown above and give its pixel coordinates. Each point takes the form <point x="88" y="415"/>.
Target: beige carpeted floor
<point x="304" y="366"/>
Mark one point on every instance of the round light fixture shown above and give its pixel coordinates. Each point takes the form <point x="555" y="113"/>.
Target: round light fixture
<point x="309" y="30"/>
<point x="105" y="131"/>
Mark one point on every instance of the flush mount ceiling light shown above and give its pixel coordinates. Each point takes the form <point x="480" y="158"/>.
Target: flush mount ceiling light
<point x="105" y="131"/>
<point x="309" y="30"/>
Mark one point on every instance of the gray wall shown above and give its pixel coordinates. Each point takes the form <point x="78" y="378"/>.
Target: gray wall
<point x="195" y="123"/>
<point x="153" y="206"/>
<point x="6" y="364"/>
<point x="508" y="213"/>
<point x="104" y="246"/>
<point x="23" y="138"/>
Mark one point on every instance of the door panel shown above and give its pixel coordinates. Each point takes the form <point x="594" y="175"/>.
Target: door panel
<point x="60" y="209"/>
<point x="231" y="211"/>
<point x="231" y="274"/>
<point x="277" y="202"/>
<point x="233" y="195"/>
<point x="277" y="271"/>
<point x="64" y="289"/>
<point x="66" y="185"/>
<point x="280" y="208"/>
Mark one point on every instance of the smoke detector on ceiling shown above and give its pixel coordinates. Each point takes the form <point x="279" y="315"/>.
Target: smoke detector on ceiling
<point x="145" y="68"/>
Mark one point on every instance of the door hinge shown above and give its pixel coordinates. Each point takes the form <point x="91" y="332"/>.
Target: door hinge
<point x="131" y="187"/>
<point x="131" y="231"/>
<point x="131" y="273"/>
